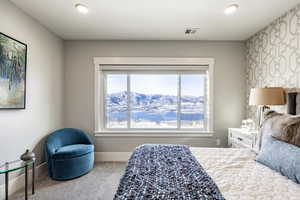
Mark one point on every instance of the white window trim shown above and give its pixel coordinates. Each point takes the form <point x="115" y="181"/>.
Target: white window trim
<point x="153" y="64"/>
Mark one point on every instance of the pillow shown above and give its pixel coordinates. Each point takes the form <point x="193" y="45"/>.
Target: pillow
<point x="266" y="128"/>
<point x="282" y="126"/>
<point x="281" y="157"/>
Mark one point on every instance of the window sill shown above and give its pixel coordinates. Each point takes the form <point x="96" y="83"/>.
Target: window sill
<point x="169" y="133"/>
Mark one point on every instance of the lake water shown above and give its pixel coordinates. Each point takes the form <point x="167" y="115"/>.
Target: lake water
<point x="151" y="116"/>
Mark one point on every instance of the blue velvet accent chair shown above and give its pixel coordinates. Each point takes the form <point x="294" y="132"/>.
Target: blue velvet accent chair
<point x="69" y="154"/>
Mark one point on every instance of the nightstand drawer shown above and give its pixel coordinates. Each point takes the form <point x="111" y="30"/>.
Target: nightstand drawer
<point x="239" y="142"/>
<point x="235" y="144"/>
<point x="240" y="138"/>
<point x="241" y="134"/>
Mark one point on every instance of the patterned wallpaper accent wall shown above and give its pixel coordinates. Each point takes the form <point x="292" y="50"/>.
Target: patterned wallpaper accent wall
<point x="273" y="56"/>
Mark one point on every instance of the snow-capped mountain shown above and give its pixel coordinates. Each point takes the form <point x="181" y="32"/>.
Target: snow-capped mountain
<point x="149" y="101"/>
<point x="153" y="107"/>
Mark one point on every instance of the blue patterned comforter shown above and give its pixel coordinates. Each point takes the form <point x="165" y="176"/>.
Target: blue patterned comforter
<point x="168" y="172"/>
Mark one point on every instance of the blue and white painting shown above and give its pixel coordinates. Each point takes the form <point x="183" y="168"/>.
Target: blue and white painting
<point x="12" y="73"/>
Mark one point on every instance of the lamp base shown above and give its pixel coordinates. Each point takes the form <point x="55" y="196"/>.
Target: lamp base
<point x="260" y="114"/>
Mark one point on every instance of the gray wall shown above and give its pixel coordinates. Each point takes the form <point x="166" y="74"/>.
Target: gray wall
<point x="21" y="129"/>
<point x="273" y="56"/>
<point x="229" y="88"/>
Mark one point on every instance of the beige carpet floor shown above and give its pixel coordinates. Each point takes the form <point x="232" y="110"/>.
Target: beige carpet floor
<point x="100" y="184"/>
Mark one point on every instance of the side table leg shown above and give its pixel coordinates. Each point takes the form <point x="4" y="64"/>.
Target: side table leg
<point x="33" y="177"/>
<point x="6" y="185"/>
<point x="26" y="182"/>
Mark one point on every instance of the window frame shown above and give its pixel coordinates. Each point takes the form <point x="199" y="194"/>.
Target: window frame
<point x="150" y="65"/>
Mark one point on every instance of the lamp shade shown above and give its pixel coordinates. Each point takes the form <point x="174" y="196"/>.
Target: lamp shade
<point x="267" y="96"/>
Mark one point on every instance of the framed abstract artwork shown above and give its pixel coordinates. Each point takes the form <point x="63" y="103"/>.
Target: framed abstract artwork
<point x="13" y="61"/>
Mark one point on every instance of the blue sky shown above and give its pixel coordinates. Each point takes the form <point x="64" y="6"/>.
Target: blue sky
<point x="191" y="84"/>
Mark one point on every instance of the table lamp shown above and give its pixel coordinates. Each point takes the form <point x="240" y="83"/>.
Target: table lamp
<point x="263" y="97"/>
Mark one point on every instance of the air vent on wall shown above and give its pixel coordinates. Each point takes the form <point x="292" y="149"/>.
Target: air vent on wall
<point x="191" y="31"/>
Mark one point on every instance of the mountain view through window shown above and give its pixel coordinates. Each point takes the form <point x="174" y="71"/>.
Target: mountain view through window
<point x="156" y="101"/>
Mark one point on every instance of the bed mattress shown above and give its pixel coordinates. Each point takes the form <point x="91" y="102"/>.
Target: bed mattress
<point x="238" y="176"/>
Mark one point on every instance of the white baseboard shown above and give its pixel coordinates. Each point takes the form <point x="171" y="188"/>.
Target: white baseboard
<point x="112" y="156"/>
<point x="18" y="182"/>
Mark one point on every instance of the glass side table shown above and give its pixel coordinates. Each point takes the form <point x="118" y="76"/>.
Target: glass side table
<point x="16" y="165"/>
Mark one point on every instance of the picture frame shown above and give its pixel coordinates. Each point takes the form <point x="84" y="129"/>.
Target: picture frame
<point x="13" y="66"/>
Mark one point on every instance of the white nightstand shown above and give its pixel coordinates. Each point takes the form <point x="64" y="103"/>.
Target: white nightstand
<point x="241" y="138"/>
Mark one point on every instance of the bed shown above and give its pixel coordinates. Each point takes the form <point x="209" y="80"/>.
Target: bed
<point x="239" y="176"/>
<point x="234" y="171"/>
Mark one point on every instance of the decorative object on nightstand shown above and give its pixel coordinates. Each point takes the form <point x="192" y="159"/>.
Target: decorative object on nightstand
<point x="263" y="97"/>
<point x="242" y="138"/>
<point x="248" y="124"/>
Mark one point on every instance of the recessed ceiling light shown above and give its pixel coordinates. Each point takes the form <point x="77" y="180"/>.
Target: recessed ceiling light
<point x="82" y="8"/>
<point x="230" y="9"/>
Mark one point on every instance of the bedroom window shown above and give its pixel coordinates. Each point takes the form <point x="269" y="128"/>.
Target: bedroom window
<point x="165" y="100"/>
<point x="142" y="99"/>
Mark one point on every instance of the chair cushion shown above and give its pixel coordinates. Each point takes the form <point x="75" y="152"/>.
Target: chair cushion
<point x="71" y="151"/>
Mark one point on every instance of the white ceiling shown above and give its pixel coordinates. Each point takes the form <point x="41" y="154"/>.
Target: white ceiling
<point x="154" y="19"/>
